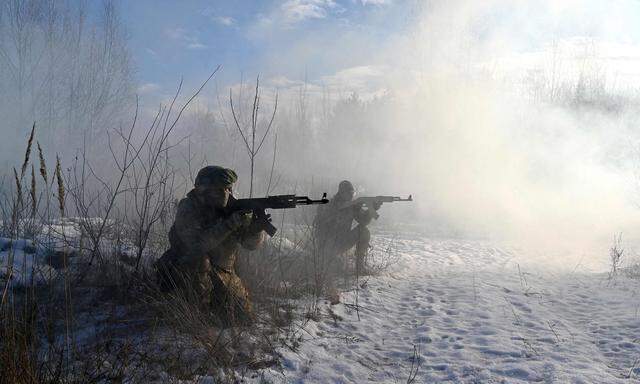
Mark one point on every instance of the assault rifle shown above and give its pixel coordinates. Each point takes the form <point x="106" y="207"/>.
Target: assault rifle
<point x="258" y="205"/>
<point x="371" y="201"/>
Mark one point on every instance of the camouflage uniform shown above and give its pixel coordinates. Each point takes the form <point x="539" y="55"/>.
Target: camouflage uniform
<point x="203" y="252"/>
<point x="333" y="226"/>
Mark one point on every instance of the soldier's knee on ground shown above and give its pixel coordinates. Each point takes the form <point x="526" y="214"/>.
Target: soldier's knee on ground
<point x="230" y="299"/>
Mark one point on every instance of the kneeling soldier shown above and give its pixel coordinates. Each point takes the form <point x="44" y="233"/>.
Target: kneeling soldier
<point x="205" y="241"/>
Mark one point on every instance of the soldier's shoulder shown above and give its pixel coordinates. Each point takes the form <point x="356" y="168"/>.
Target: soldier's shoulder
<point x="188" y="203"/>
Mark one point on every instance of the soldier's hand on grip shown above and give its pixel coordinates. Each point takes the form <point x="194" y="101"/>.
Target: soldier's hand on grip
<point x="259" y="224"/>
<point x="239" y="219"/>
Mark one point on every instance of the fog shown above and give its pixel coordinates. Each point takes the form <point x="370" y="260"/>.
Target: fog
<point x="522" y="130"/>
<point x="504" y="120"/>
<point x="66" y="67"/>
<point x="502" y="123"/>
<point x="536" y="144"/>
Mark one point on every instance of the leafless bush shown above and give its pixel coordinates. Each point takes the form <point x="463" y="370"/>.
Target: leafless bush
<point x="574" y="78"/>
<point x="615" y="257"/>
<point x="142" y="190"/>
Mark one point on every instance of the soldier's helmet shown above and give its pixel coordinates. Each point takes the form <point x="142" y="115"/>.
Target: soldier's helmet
<point x="213" y="175"/>
<point x="345" y="190"/>
<point x="345" y="186"/>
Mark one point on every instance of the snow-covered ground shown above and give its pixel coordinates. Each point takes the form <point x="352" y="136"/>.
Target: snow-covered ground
<point x="459" y="311"/>
<point x="472" y="312"/>
<point x="27" y="260"/>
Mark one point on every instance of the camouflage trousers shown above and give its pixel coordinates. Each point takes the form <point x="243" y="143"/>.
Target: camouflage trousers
<point x="229" y="298"/>
<point x="219" y="290"/>
<point x="339" y="243"/>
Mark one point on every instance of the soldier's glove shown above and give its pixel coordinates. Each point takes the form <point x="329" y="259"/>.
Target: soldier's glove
<point x="238" y="219"/>
<point x="377" y="205"/>
<point x="259" y="224"/>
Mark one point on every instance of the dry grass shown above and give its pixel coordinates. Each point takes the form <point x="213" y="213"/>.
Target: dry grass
<point x="61" y="191"/>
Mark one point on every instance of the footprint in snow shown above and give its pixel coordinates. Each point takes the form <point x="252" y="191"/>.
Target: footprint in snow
<point x="451" y="312"/>
<point x="426" y="312"/>
<point x="486" y="331"/>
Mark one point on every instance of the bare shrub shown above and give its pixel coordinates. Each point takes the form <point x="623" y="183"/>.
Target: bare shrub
<point x="615" y="257"/>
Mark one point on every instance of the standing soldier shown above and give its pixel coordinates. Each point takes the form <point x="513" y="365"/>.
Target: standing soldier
<point x="205" y="241"/>
<point x="333" y="225"/>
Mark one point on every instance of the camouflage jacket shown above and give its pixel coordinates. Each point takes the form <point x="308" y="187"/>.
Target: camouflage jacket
<point x="334" y="219"/>
<point x="201" y="238"/>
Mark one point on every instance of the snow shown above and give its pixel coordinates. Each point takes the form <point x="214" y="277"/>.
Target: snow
<point x="471" y="312"/>
<point x="447" y="311"/>
<point x="21" y="260"/>
<point x="28" y="261"/>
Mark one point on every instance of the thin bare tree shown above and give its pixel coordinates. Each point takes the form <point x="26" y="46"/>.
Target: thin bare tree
<point x="249" y="131"/>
